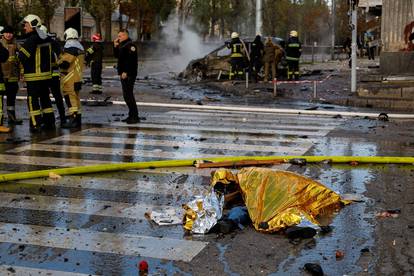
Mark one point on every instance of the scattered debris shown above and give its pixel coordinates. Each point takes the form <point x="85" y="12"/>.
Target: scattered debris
<point x="296" y="232"/>
<point x="312" y="108"/>
<point x="167" y="217"/>
<point x="326" y="229"/>
<point x="313" y="269"/>
<point x="339" y="254"/>
<point x="298" y="161"/>
<point x="383" y="117"/>
<point x="143" y="268"/>
<point x="354" y="163"/>
<point x="338" y="116"/>
<point x="236" y="164"/>
<point x="54" y="176"/>
<point x="353" y="197"/>
<point x="393" y="213"/>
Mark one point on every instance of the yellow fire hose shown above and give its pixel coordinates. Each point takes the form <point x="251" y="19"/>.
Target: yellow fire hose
<point x="190" y="162"/>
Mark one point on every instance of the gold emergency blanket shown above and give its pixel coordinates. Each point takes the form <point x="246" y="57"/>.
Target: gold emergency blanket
<point x="278" y="199"/>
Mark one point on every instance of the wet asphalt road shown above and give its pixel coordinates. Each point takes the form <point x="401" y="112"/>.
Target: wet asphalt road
<point x="95" y="224"/>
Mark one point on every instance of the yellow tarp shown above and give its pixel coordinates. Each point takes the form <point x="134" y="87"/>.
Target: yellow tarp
<point x="278" y="199"/>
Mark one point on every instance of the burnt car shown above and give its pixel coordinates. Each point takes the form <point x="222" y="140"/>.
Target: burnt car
<point x="217" y="62"/>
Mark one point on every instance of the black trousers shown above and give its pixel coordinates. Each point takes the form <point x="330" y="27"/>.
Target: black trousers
<point x="254" y="67"/>
<point x="39" y="104"/>
<point x="54" y="85"/>
<point x="96" y="76"/>
<point x="2" y="93"/>
<point x="236" y="68"/>
<point x="128" y="93"/>
<point x="11" y="92"/>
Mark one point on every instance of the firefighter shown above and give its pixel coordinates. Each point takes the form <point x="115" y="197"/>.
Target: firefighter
<point x="93" y="57"/>
<point x="127" y="67"/>
<point x="54" y="83"/>
<point x="11" y="74"/>
<point x="35" y="56"/>
<point x="237" y="57"/>
<point x="269" y="59"/>
<point x="256" y="56"/>
<point x="4" y="55"/>
<point x="293" y="53"/>
<point x="71" y="69"/>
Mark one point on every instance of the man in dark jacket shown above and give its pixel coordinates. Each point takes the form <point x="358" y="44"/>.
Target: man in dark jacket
<point x="126" y="52"/>
<point x="93" y="58"/>
<point x="35" y="56"/>
<point x="293" y="53"/>
<point x="256" y="56"/>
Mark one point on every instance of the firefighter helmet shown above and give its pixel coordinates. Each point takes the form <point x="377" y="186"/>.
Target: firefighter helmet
<point x="33" y="20"/>
<point x="293" y="33"/>
<point x="234" y="35"/>
<point x="96" y="37"/>
<point x="70" y="33"/>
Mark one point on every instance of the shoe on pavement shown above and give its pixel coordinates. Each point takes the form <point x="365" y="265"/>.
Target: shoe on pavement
<point x="131" y="121"/>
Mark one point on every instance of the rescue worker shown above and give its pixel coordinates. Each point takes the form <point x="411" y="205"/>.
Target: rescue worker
<point x="35" y="56"/>
<point x="54" y="83"/>
<point x="269" y="59"/>
<point x="293" y="53"/>
<point x="127" y="67"/>
<point x="256" y="57"/>
<point x="71" y="69"/>
<point x="4" y="55"/>
<point x="236" y="57"/>
<point x="93" y="57"/>
<point x="11" y="74"/>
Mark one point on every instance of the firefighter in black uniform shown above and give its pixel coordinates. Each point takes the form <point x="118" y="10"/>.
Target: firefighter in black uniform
<point x="35" y="56"/>
<point x="237" y="57"/>
<point x="293" y="53"/>
<point x="256" y="57"/>
<point x="93" y="58"/>
<point x="126" y="52"/>
<point x="4" y="55"/>
<point x="54" y="83"/>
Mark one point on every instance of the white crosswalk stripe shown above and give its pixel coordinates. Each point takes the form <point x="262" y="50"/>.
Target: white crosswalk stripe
<point x="177" y="134"/>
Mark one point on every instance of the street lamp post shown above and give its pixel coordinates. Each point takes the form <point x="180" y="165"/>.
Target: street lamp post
<point x="354" y="46"/>
<point x="259" y="16"/>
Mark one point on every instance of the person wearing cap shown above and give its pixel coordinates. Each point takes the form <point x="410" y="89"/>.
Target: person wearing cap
<point x="4" y="55"/>
<point x="293" y="53"/>
<point x="93" y="58"/>
<point x="54" y="83"/>
<point x="35" y="56"/>
<point x="11" y="74"/>
<point x="236" y="57"/>
<point x="71" y="68"/>
<point x="126" y="53"/>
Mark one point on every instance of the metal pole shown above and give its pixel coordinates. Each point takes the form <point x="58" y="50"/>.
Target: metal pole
<point x="259" y="17"/>
<point x="333" y="29"/>
<point x="247" y="80"/>
<point x="354" y="48"/>
<point x="274" y="87"/>
<point x="315" y="89"/>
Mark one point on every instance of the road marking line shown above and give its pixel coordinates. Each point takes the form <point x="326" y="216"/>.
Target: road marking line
<point x="122" y="185"/>
<point x="29" y="271"/>
<point x="80" y="205"/>
<point x="190" y="148"/>
<point x="103" y="242"/>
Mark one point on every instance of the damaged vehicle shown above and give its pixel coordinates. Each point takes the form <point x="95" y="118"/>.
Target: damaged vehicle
<point x="217" y="62"/>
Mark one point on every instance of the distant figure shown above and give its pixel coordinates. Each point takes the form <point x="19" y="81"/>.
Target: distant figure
<point x="371" y="48"/>
<point x="269" y="59"/>
<point x="4" y="55"/>
<point x="293" y="53"/>
<point x="236" y="57"/>
<point x="71" y="67"/>
<point x="11" y="72"/>
<point x="256" y="56"/>
<point x="126" y="52"/>
<point x="348" y="50"/>
<point x="93" y="58"/>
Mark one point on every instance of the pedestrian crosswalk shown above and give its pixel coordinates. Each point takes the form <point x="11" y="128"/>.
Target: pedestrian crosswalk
<point x="77" y="221"/>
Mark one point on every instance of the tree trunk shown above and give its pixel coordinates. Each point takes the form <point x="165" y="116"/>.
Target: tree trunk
<point x="108" y="25"/>
<point x="98" y="25"/>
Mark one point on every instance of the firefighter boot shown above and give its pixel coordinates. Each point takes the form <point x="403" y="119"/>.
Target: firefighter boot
<point x="73" y="121"/>
<point x="11" y="115"/>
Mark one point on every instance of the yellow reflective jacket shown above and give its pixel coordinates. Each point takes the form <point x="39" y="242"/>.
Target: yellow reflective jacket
<point x="71" y="64"/>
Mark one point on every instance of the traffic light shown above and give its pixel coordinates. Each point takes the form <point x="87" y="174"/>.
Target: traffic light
<point x="73" y="19"/>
